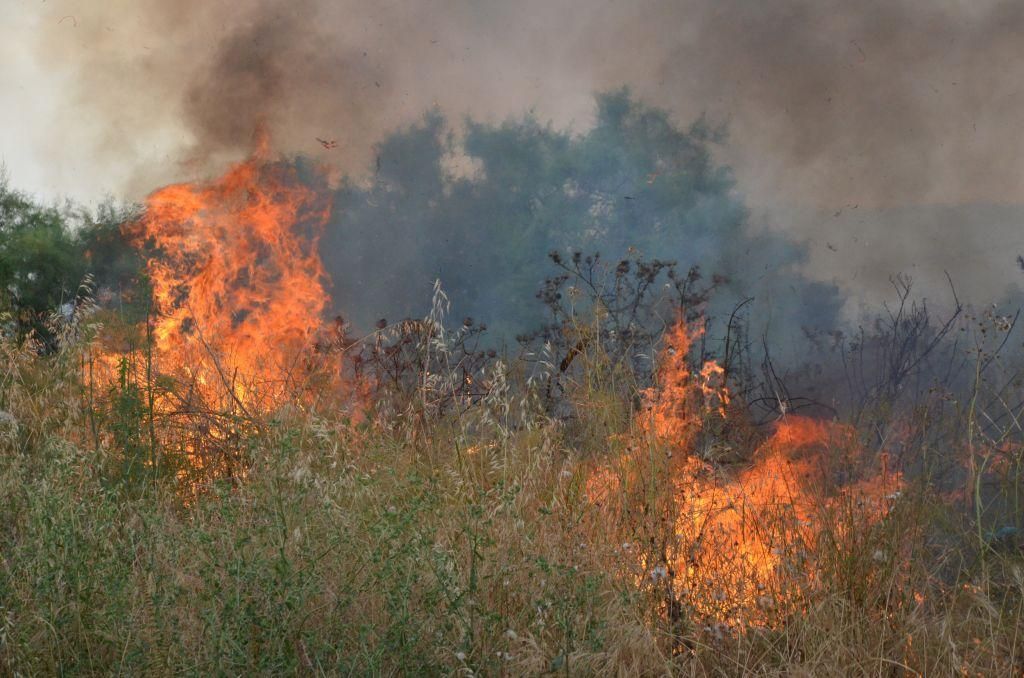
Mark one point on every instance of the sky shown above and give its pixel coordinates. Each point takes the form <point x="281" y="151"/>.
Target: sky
<point x="886" y="135"/>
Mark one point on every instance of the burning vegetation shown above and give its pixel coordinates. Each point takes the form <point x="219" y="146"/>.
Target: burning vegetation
<point x="233" y="329"/>
<point x="744" y="511"/>
<point x="636" y="487"/>
<point x="238" y="286"/>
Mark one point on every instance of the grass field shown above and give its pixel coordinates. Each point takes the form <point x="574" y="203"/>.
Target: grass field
<point x="488" y="540"/>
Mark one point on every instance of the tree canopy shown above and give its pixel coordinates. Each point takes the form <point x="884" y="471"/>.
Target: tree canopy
<point x="481" y="211"/>
<point x="47" y="252"/>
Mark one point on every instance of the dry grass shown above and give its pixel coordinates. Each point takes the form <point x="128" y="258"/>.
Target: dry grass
<point x="472" y="547"/>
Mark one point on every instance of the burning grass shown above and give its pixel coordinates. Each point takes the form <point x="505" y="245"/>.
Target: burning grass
<point x="230" y="488"/>
<point x="487" y="540"/>
<point x="740" y="524"/>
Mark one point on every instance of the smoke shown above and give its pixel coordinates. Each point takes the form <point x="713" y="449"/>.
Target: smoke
<point x="882" y="107"/>
<point x="877" y="104"/>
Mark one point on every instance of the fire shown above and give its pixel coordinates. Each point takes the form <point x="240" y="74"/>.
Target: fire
<point x="743" y="524"/>
<point x="683" y="404"/>
<point x="237" y="280"/>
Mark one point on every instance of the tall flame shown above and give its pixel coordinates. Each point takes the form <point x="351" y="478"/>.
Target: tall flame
<point x="237" y="281"/>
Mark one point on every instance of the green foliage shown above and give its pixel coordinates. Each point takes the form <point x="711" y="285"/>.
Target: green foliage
<point x="115" y="265"/>
<point x="40" y="264"/>
<point x="125" y="415"/>
<point x="47" y="252"/>
<point x="481" y="214"/>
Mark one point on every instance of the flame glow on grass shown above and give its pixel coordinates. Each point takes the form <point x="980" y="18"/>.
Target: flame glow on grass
<point x="741" y="526"/>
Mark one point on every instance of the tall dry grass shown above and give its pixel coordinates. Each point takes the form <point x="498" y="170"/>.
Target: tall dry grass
<point x="463" y="542"/>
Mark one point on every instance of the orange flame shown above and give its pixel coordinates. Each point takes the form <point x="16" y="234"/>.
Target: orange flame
<point x="237" y="281"/>
<point x="680" y="403"/>
<point x="741" y="530"/>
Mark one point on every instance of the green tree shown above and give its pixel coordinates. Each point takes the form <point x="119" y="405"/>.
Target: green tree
<point x="46" y="252"/>
<point x="40" y="266"/>
<point x="636" y="179"/>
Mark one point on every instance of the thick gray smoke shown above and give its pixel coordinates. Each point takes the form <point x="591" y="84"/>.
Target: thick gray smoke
<point x="892" y="122"/>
